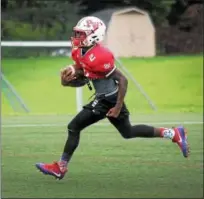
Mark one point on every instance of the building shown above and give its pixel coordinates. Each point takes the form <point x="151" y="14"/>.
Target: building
<point x="130" y="32"/>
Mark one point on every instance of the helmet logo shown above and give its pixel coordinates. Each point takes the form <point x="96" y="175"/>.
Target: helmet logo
<point x="93" y="24"/>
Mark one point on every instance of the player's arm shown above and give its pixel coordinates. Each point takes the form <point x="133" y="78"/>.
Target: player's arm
<point x="123" y="84"/>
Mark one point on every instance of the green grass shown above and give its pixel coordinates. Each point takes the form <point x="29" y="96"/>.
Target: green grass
<point x="105" y="165"/>
<point x="173" y="83"/>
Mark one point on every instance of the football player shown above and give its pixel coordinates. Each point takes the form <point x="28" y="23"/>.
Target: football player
<point x="96" y="63"/>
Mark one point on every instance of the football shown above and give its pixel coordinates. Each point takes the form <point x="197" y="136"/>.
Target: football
<point x="66" y="73"/>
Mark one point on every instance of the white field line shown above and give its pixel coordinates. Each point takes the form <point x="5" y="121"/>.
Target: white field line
<point x="98" y="124"/>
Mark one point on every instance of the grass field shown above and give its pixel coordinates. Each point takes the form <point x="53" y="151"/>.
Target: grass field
<point x="105" y="165"/>
<point x="173" y="83"/>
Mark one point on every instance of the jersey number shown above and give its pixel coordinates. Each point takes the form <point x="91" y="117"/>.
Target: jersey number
<point x="92" y="57"/>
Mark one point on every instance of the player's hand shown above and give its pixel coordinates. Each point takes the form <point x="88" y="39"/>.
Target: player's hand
<point x="113" y="112"/>
<point x="67" y="74"/>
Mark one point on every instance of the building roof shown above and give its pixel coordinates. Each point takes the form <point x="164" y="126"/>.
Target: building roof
<point x="106" y="14"/>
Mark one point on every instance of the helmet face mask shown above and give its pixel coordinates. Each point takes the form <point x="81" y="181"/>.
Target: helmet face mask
<point x="88" y="31"/>
<point x="78" y="38"/>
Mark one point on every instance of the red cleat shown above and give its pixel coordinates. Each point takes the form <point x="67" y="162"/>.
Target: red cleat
<point x="53" y="169"/>
<point x="180" y="138"/>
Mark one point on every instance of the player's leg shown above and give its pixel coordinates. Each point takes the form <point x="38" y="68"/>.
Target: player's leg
<point x="123" y="125"/>
<point x="88" y="116"/>
<point x="82" y="120"/>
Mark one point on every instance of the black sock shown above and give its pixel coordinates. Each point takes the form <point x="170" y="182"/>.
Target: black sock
<point x="142" y="131"/>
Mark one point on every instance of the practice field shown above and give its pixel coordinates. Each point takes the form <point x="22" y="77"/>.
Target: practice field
<point x="105" y="165"/>
<point x="173" y="83"/>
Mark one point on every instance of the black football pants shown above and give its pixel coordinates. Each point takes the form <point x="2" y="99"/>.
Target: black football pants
<point x="95" y="111"/>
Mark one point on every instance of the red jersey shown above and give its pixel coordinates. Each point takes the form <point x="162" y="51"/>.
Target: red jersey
<point x="97" y="62"/>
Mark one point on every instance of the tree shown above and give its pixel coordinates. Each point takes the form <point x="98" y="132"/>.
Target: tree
<point x="178" y="8"/>
<point x="54" y="18"/>
<point x="158" y="9"/>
